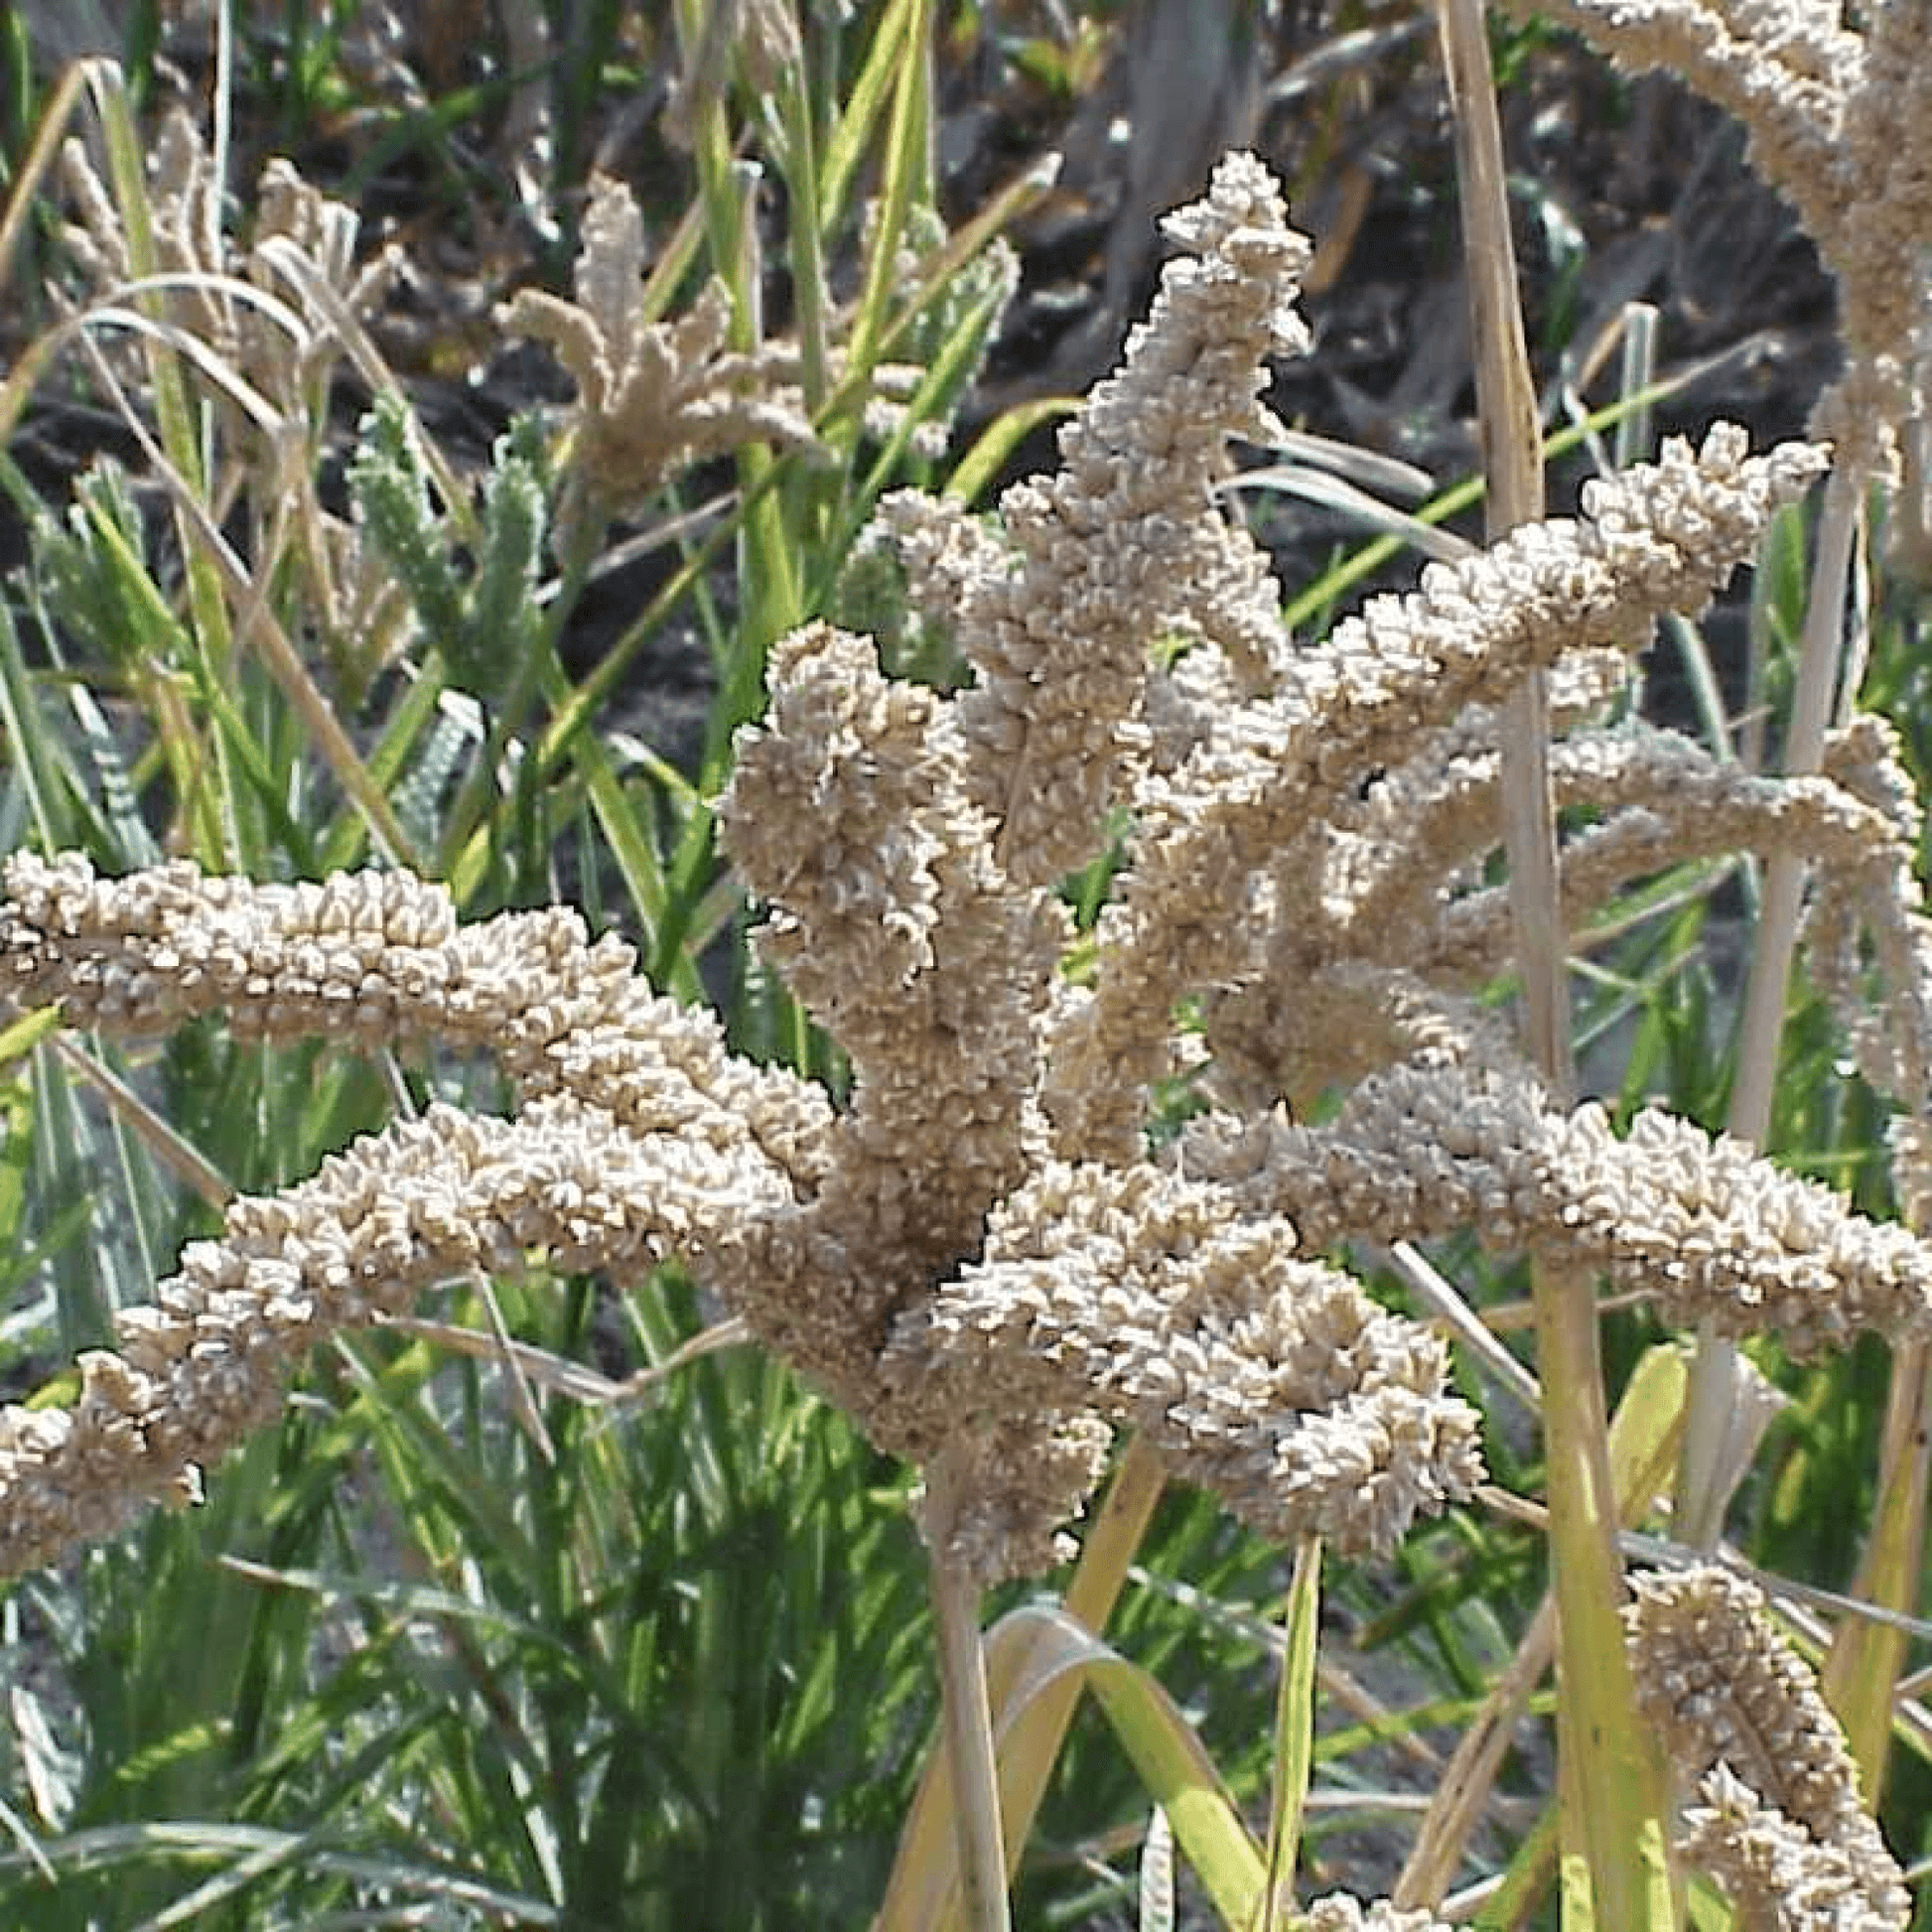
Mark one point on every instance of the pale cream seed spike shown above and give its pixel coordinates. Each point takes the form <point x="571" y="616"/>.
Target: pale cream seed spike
<point x="1784" y="1825"/>
<point x="1652" y="540"/>
<point x="1342" y="1913"/>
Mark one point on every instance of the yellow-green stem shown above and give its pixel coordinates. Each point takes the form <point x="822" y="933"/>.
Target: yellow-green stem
<point x="1611" y="1783"/>
<point x="919" y="1894"/>
<point x="175" y="417"/>
<point x="1862" y="1666"/>
<point x="1645" y="1435"/>
<point x="966" y="1714"/>
<point x="1294" y="1730"/>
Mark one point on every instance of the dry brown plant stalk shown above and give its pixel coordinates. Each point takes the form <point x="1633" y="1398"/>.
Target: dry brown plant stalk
<point x="976" y="1256"/>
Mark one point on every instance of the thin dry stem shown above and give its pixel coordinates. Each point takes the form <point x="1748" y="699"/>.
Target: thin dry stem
<point x="966" y="1713"/>
<point x="1710" y="1404"/>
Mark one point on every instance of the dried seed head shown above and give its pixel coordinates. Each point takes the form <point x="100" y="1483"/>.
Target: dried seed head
<point x="652" y="397"/>
<point x="1651" y="540"/>
<point x="1339" y="1913"/>
<point x="1784" y="1827"/>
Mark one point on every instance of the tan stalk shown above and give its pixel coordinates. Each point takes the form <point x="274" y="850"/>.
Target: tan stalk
<point x="173" y="1150"/>
<point x="1612" y="1778"/>
<point x="558" y="1374"/>
<point x="921" y="1891"/>
<point x="966" y="1714"/>
<point x="1714" y="1378"/>
<point x="23" y="197"/>
<point x="1437" y="1293"/>
<point x="302" y="274"/>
